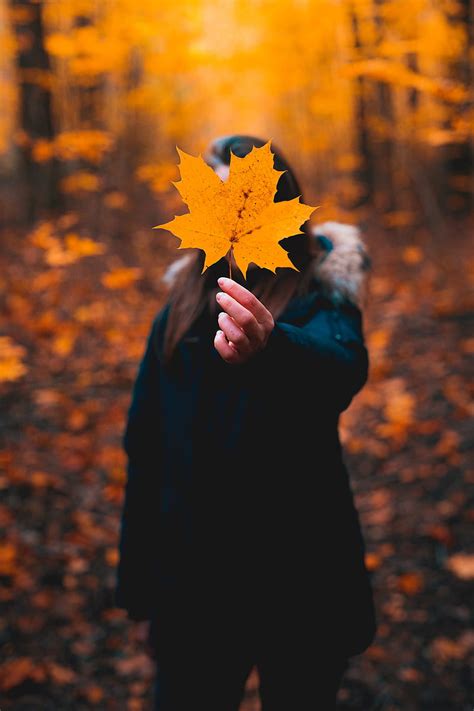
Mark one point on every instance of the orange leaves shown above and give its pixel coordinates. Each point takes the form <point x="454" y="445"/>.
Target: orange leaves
<point x="399" y="411"/>
<point x="462" y="565"/>
<point x="412" y="254"/>
<point x="410" y="583"/>
<point x="89" y="51"/>
<point x="90" y="145"/>
<point x="121" y="278"/>
<point x="11" y="355"/>
<point x="8" y="558"/>
<point x="16" y="671"/>
<point x="372" y="561"/>
<point x="398" y="74"/>
<point x="63" y="342"/>
<point x="157" y="176"/>
<point x="63" y="251"/>
<point x="80" y="181"/>
<point x="82" y="246"/>
<point x="238" y="214"/>
<point x="443" y="649"/>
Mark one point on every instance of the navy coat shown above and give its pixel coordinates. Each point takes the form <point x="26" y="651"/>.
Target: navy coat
<point x="236" y="484"/>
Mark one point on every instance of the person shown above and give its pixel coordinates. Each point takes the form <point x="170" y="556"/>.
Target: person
<point x="240" y="543"/>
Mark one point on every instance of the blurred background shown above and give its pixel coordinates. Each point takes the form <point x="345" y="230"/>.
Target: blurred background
<point x="371" y="102"/>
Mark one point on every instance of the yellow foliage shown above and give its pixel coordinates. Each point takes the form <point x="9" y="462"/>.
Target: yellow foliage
<point x="63" y="343"/>
<point x="8" y="558"/>
<point x="88" y="144"/>
<point x="91" y="313"/>
<point x="158" y="176"/>
<point x="83" y="180"/>
<point x="412" y="254"/>
<point x="42" y="150"/>
<point x="11" y="354"/>
<point x="399" y="218"/>
<point x="82" y="246"/>
<point x="121" y="277"/>
<point x="399" y="410"/>
<point x="115" y="199"/>
<point x="60" y="45"/>
<point x="238" y="214"/>
<point x="398" y="74"/>
<point x="292" y="68"/>
<point x="60" y="252"/>
<point x="462" y="565"/>
<point x="43" y="235"/>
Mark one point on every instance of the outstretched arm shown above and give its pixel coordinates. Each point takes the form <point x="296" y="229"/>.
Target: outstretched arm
<point x="327" y="352"/>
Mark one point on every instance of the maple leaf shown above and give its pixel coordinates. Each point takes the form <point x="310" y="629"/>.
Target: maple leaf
<point x="237" y="214"/>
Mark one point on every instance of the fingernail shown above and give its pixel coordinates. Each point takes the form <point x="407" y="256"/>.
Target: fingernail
<point x="219" y="333"/>
<point x="222" y="281"/>
<point x="219" y="295"/>
<point x="222" y="313"/>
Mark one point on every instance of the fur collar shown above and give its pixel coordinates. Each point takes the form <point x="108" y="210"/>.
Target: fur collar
<point x="341" y="271"/>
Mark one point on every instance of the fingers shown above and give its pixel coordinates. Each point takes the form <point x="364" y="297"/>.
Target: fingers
<point x="241" y="315"/>
<point x="233" y="332"/>
<point x="245" y="297"/>
<point x="245" y="323"/>
<point x="226" y="350"/>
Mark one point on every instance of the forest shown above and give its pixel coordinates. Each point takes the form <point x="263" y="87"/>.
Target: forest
<point x="372" y="103"/>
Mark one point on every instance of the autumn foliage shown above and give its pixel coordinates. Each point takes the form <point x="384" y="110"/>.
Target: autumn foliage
<point x="371" y="103"/>
<point x="238" y="214"/>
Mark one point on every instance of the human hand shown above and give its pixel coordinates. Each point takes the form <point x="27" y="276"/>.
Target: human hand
<point x="245" y="323"/>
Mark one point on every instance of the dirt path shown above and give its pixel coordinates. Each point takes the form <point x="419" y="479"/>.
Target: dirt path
<point x="407" y="439"/>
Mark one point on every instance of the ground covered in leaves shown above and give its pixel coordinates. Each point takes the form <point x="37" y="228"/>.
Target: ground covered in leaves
<point x="75" y="314"/>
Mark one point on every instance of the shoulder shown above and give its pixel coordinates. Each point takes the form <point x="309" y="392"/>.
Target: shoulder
<point x="341" y="272"/>
<point x="340" y="269"/>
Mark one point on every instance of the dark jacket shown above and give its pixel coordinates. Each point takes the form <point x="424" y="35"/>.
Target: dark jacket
<point x="236" y="473"/>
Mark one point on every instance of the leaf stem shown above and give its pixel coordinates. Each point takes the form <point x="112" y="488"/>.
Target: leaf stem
<point x="230" y="260"/>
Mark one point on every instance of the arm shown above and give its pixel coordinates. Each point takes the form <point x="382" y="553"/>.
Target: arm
<point x="140" y="506"/>
<point x="326" y="354"/>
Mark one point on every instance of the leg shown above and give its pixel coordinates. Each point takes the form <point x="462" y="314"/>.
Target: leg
<point x="200" y="664"/>
<point x="291" y="678"/>
<point x="213" y="684"/>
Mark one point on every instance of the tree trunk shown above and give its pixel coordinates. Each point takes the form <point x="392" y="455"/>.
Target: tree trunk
<point x="39" y="178"/>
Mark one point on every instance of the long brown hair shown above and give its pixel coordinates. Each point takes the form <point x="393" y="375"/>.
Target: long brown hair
<point x="193" y="290"/>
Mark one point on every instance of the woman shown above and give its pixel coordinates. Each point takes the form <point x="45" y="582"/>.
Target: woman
<point x="240" y="545"/>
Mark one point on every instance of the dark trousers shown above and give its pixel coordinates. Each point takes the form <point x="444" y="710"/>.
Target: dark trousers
<point x="204" y="664"/>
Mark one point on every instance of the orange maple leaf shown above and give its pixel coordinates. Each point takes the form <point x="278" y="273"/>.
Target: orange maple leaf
<point x="238" y="214"/>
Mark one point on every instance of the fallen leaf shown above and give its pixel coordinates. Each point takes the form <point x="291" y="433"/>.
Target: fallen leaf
<point x="410" y="583"/>
<point x="60" y="674"/>
<point x="121" y="278"/>
<point x="444" y="649"/>
<point x="15" y="671"/>
<point x="462" y="565"/>
<point x="11" y="354"/>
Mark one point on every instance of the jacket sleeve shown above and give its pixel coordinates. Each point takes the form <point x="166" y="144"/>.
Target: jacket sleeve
<point x="134" y="573"/>
<point x="325" y="356"/>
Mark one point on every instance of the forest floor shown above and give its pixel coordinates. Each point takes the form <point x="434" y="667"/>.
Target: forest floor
<point x="73" y="327"/>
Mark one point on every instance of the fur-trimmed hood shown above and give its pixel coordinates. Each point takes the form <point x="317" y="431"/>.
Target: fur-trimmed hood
<point x="341" y="270"/>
